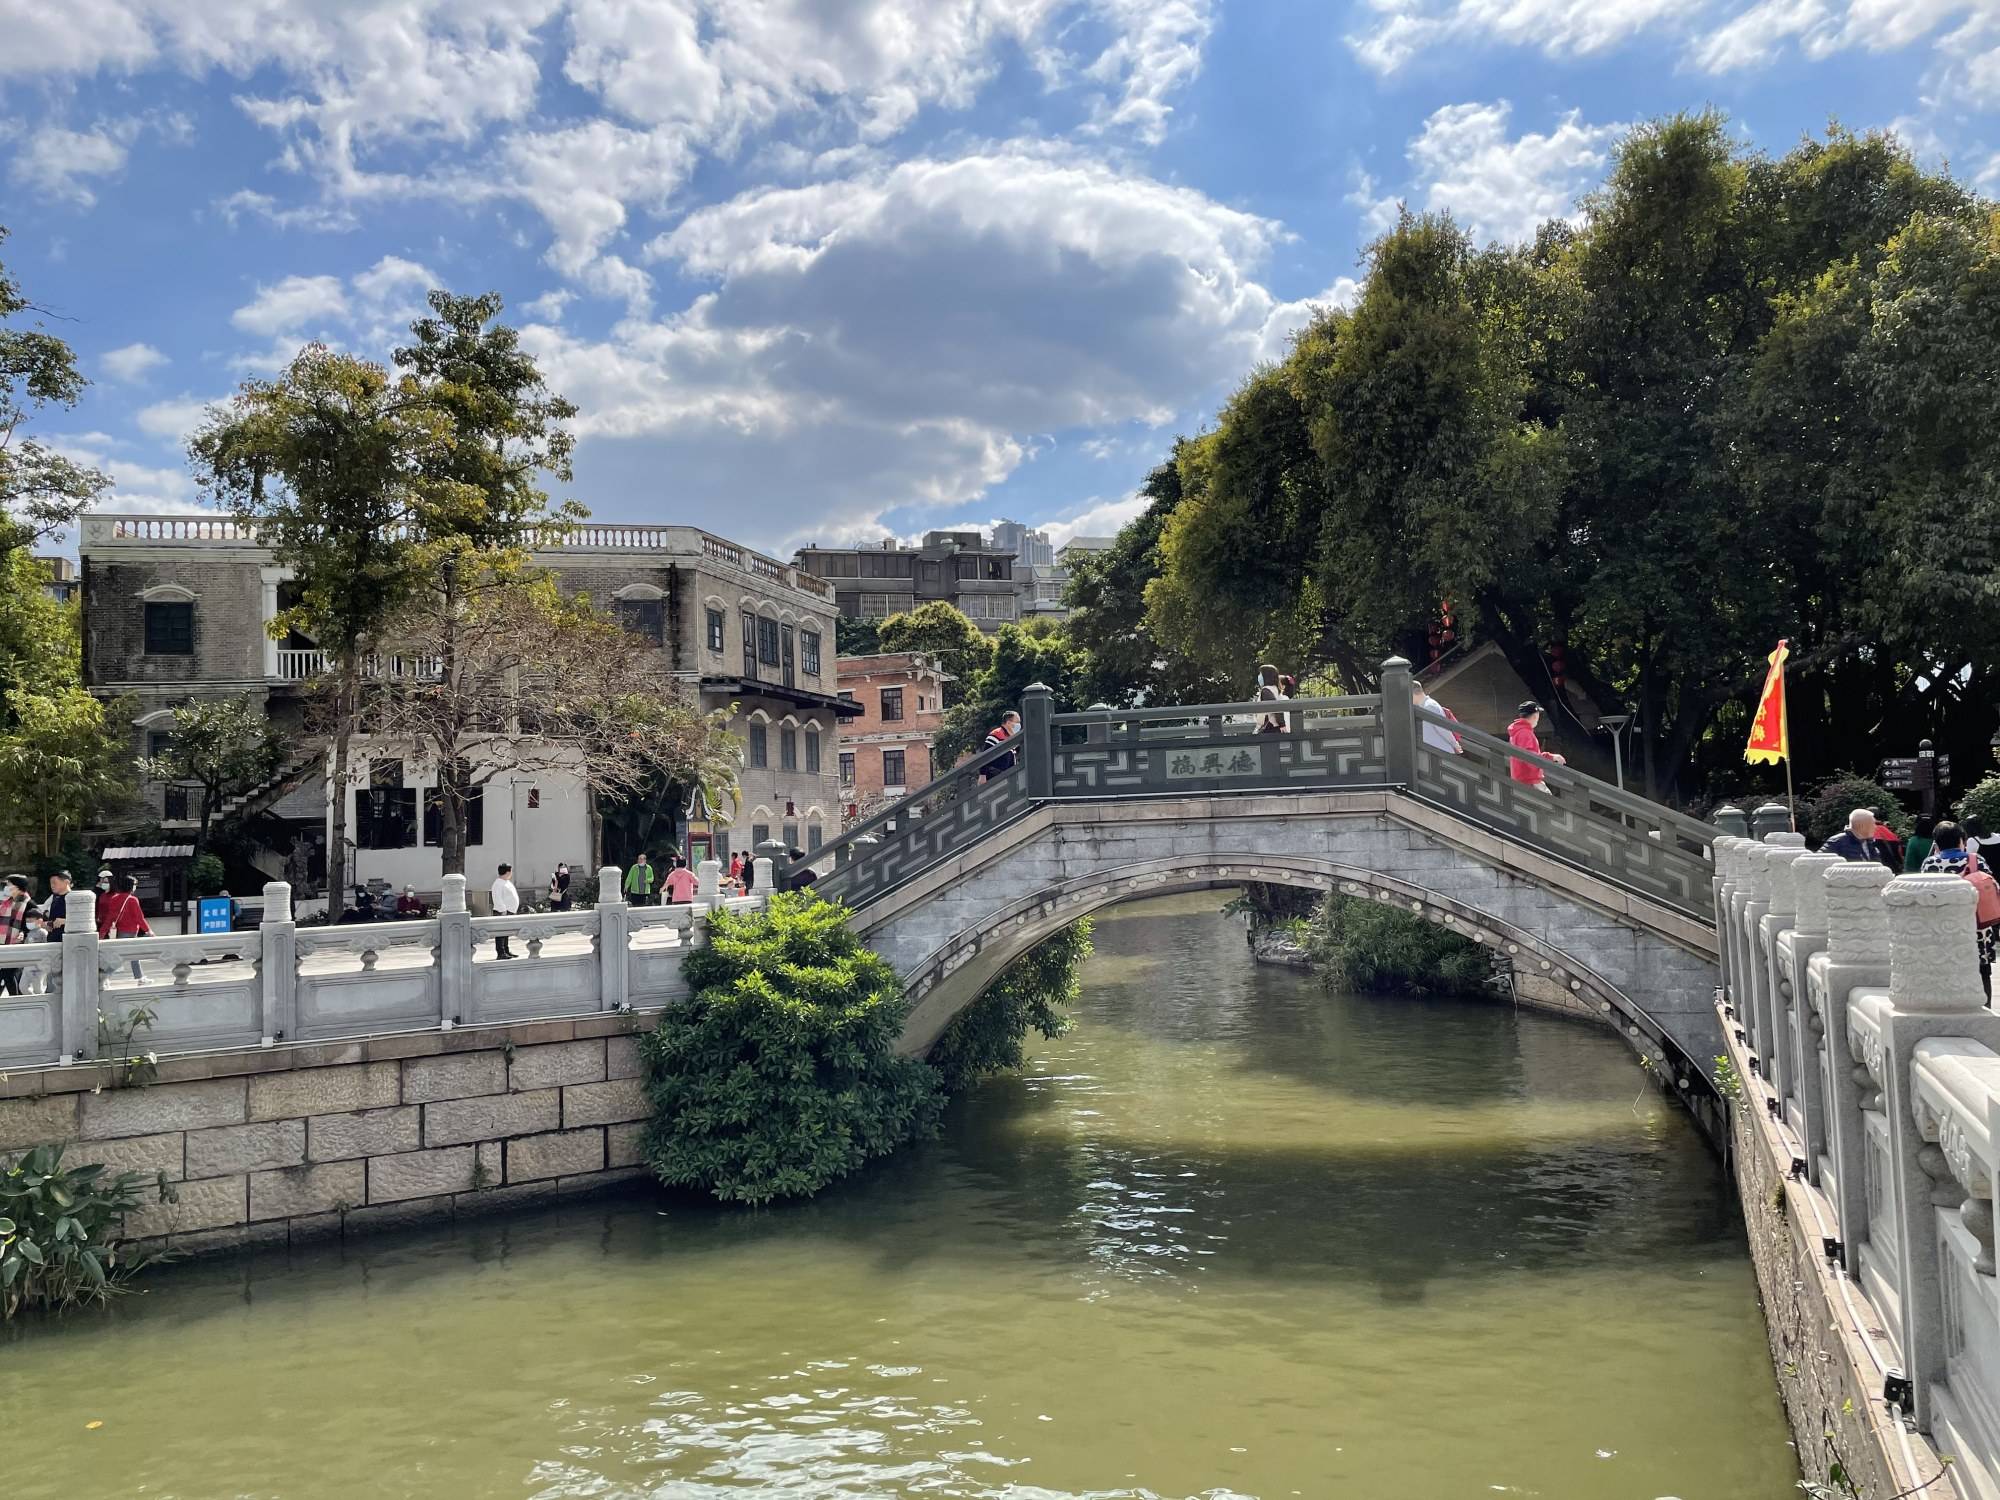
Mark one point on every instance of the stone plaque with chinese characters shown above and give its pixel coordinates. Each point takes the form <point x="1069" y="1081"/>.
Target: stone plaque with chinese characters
<point x="1207" y="764"/>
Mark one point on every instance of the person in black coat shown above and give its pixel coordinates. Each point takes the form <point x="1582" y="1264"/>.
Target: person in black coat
<point x="1857" y="843"/>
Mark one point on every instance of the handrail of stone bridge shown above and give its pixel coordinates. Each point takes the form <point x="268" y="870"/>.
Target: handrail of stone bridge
<point x="286" y="983"/>
<point x="1864" y="1034"/>
<point x="1369" y="741"/>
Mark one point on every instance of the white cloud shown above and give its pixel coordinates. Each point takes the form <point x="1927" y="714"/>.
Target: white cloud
<point x="136" y="489"/>
<point x="293" y="306"/>
<point x="346" y="87"/>
<point x="548" y="308"/>
<point x="1402" y="30"/>
<point x="1158" y="49"/>
<point x="59" y="162"/>
<point x="1097" y="518"/>
<point x="1751" y="38"/>
<point x="173" y="419"/>
<point x="1502" y="188"/>
<point x="901" y="336"/>
<point x="133" y="362"/>
<point x="1378" y="212"/>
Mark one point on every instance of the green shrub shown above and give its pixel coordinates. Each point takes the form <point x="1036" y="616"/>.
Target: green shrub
<point x="1983" y="803"/>
<point x="1036" y="990"/>
<point x="60" y="1231"/>
<point x="778" y="1075"/>
<point x="205" y="874"/>
<point x="1824" y="810"/>
<point x="1365" y="944"/>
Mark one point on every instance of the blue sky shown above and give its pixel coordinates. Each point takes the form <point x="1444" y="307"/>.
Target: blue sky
<point x="820" y="269"/>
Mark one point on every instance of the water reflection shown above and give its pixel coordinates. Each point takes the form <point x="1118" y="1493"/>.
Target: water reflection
<point x="1231" y="1237"/>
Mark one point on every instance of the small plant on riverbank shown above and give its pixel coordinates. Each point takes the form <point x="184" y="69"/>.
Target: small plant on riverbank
<point x="778" y="1075"/>
<point x="60" y="1233"/>
<point x="1034" y="992"/>
<point x="1373" y="945"/>
<point x="1727" y="1082"/>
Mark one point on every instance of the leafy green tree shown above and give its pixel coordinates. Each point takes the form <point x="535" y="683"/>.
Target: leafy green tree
<point x="1982" y="801"/>
<point x="482" y="505"/>
<point x="853" y="637"/>
<point x="1021" y="657"/>
<point x="1033" y="993"/>
<point x="778" y="1075"/>
<point x="328" y="463"/>
<point x="942" y="631"/>
<point x="42" y="491"/>
<point x="1125" y="661"/>
<point x="221" y="746"/>
<point x="62" y="767"/>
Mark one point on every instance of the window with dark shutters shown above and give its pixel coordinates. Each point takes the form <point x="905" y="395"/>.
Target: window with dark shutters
<point x="759" y="746"/>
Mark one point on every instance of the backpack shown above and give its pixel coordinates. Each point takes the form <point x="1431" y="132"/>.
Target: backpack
<point x="1988" y="911"/>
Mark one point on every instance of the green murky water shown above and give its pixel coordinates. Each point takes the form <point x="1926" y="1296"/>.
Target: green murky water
<point x="1231" y="1237"/>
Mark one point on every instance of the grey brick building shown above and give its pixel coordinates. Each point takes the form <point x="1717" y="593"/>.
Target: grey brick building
<point x="959" y="567"/>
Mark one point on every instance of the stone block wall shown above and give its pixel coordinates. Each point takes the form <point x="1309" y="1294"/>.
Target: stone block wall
<point x="287" y="1145"/>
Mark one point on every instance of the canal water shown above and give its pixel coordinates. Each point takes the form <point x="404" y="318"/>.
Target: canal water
<point x="1233" y="1236"/>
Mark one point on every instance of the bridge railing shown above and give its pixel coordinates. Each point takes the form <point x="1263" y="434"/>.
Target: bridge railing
<point x="1635" y="843"/>
<point x="88" y="999"/>
<point x="1297" y="745"/>
<point x="1868" y="1042"/>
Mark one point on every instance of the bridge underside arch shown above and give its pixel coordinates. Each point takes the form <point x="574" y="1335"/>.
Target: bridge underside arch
<point x="950" y="939"/>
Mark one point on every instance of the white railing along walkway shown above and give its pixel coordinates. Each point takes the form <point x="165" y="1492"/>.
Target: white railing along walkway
<point x="1872" y="1045"/>
<point x="285" y="983"/>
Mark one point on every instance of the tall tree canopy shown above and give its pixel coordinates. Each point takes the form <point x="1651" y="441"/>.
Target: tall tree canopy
<point x="1743" y="397"/>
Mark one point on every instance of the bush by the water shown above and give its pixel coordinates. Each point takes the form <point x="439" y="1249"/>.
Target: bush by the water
<point x="1035" y="991"/>
<point x="1375" y="945"/>
<point x="60" y="1233"/>
<point x="778" y="1075"/>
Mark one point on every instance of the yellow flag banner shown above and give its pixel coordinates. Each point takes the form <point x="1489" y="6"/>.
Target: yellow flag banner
<point x="1771" y="730"/>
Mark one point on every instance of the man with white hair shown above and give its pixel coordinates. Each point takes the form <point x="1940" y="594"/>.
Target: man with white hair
<point x="1857" y="844"/>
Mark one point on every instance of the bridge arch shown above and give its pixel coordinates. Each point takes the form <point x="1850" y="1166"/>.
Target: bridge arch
<point x="1643" y="968"/>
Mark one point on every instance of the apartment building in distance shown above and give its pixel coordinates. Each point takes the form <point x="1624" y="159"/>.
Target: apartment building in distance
<point x="176" y="609"/>
<point x="885" y="750"/>
<point x="960" y="567"/>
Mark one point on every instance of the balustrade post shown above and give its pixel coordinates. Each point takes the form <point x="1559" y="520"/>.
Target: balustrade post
<point x="708" y="883"/>
<point x="278" y="970"/>
<point x="1728" y="859"/>
<point x="454" y="956"/>
<point x="1770" y="1021"/>
<point x="1399" y="723"/>
<point x="1753" y="898"/>
<point x="1038" y="742"/>
<point x="1731" y="820"/>
<point x="614" y="940"/>
<point x="80" y="978"/>
<point x="1812" y="1049"/>
<point x="1934" y="991"/>
<point x="1781" y="1067"/>
<point x="1772" y="817"/>
<point x="1098" y="731"/>
<point x="1856" y="958"/>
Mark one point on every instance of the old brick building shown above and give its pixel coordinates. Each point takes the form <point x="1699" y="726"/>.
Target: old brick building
<point x="885" y="750"/>
<point x="175" y="608"/>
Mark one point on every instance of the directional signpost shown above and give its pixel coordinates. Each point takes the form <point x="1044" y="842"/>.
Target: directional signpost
<point x="1923" y="773"/>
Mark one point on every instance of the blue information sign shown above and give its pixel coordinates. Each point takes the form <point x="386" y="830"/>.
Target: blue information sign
<point x="214" y="913"/>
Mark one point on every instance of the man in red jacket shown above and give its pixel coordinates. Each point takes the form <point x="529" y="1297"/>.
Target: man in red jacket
<point x="1521" y="735"/>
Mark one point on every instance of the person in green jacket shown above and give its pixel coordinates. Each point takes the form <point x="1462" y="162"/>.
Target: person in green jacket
<point x="1920" y="846"/>
<point x="639" y="881"/>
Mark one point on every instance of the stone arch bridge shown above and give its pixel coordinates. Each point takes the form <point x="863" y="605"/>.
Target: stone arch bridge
<point x="1599" y="891"/>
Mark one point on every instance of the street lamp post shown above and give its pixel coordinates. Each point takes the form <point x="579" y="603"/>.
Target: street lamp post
<point x="1615" y="725"/>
